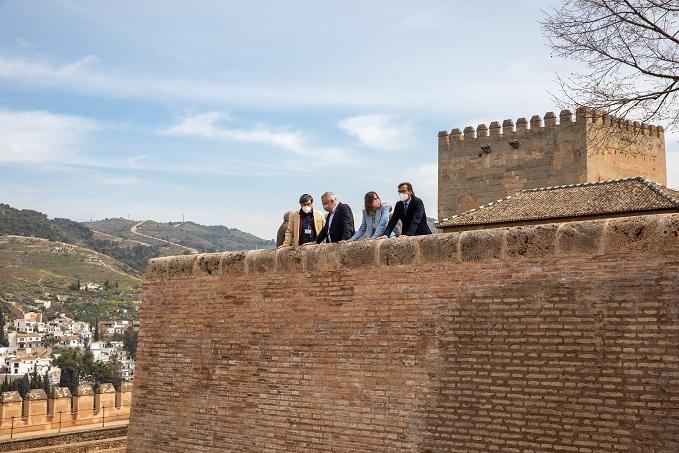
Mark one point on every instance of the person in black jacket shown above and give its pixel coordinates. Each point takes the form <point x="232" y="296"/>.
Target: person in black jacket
<point x="339" y="225"/>
<point x="410" y="211"/>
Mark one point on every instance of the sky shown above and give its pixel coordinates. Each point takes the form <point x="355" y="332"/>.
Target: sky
<point x="225" y="112"/>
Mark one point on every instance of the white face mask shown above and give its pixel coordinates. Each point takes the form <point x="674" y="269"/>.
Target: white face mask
<point x="404" y="196"/>
<point x="306" y="209"/>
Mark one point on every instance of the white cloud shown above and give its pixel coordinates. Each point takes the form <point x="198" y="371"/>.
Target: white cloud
<point x="206" y="125"/>
<point x="379" y="131"/>
<point x="23" y="42"/>
<point x="40" y="137"/>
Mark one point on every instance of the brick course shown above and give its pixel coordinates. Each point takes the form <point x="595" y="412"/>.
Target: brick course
<point x="518" y="339"/>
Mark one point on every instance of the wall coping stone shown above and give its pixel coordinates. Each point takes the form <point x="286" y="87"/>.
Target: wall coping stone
<point x="639" y="235"/>
<point x="36" y="395"/>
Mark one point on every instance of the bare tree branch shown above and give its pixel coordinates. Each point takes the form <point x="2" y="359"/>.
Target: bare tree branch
<point x="631" y="50"/>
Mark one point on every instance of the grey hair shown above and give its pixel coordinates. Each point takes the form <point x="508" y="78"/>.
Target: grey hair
<point x="329" y="195"/>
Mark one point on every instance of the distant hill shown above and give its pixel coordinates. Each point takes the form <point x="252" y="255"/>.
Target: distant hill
<point x="190" y="235"/>
<point x="129" y="241"/>
<point x="31" y="266"/>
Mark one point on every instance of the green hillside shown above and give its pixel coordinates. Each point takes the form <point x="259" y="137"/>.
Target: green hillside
<point x="195" y="237"/>
<point x="129" y="241"/>
<point x="30" y="267"/>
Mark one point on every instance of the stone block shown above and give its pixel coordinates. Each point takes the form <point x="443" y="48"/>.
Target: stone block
<point x="394" y="252"/>
<point x="290" y="259"/>
<point x="35" y="406"/>
<point x="439" y="247"/>
<point x="104" y="397"/>
<point x="233" y="263"/>
<point x="358" y="253"/>
<point x="322" y="258"/>
<point x="207" y="264"/>
<point x="580" y="238"/>
<point x="156" y="269"/>
<point x="11" y="405"/>
<point x="668" y="232"/>
<point x="59" y="400"/>
<point x="180" y="267"/>
<point x="481" y="245"/>
<point x="260" y="261"/>
<point x="531" y="241"/>
<point x="632" y="235"/>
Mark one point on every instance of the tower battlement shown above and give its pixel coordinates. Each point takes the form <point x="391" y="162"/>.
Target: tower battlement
<point x="567" y="119"/>
<point x="491" y="161"/>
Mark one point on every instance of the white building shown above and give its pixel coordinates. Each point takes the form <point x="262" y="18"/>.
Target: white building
<point x="23" y="342"/>
<point x="71" y="341"/>
<point x="102" y="351"/>
<point x="27" y="365"/>
<point x="42" y="303"/>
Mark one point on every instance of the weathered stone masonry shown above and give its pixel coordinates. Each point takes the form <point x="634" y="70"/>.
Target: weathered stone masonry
<point x="477" y="166"/>
<point x="543" y="338"/>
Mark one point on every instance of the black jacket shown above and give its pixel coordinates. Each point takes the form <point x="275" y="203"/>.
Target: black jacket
<point x="342" y="225"/>
<point x="414" y="221"/>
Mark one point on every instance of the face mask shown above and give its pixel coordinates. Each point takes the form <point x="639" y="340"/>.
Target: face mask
<point x="404" y="196"/>
<point x="327" y="207"/>
<point x="306" y="209"/>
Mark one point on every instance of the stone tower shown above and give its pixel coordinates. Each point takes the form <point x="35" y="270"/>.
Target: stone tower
<point x="489" y="163"/>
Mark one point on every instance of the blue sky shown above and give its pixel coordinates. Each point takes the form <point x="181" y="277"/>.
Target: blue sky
<point x="225" y="112"/>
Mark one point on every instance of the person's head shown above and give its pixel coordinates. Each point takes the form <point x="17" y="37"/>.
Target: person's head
<point x="405" y="191"/>
<point x="329" y="201"/>
<point x="372" y="202"/>
<point x="306" y="202"/>
<point x="286" y="216"/>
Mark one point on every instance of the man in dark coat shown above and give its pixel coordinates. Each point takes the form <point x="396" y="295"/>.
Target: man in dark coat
<point x="410" y="211"/>
<point x="339" y="225"/>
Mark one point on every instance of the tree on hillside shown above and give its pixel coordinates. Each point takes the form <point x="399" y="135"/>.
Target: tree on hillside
<point x="130" y="340"/>
<point x="3" y="340"/>
<point x="631" y="52"/>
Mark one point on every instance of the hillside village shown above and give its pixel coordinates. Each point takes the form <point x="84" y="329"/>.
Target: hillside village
<point x="71" y="290"/>
<point x="33" y="339"/>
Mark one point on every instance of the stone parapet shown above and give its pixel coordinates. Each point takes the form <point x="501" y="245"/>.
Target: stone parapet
<point x="39" y="411"/>
<point x="639" y="235"/>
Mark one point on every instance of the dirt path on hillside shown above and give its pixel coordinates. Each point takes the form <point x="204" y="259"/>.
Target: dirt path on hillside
<point x="134" y="230"/>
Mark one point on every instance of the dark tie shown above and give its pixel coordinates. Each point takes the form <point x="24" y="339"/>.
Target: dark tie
<point x="405" y="206"/>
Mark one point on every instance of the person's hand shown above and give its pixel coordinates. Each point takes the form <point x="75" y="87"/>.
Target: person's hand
<point x="282" y="246"/>
<point x="381" y="237"/>
<point x="309" y="243"/>
<point x="345" y="240"/>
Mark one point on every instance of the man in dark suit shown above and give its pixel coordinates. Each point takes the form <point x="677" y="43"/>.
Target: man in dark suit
<point x="339" y="225"/>
<point x="410" y="211"/>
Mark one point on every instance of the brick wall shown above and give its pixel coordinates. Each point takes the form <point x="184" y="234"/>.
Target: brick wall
<point x="543" y="338"/>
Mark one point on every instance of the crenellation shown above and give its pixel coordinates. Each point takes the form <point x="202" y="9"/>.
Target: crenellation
<point x="469" y="133"/>
<point x="583" y="115"/>
<point x="507" y="127"/>
<point x="494" y="129"/>
<point x="550" y="119"/>
<point x="521" y="125"/>
<point x="589" y="145"/>
<point x="39" y="412"/>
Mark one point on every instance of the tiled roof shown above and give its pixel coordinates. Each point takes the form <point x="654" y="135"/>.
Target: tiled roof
<point x="574" y="200"/>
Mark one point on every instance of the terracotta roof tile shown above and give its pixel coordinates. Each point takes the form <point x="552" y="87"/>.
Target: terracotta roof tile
<point x="574" y="200"/>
